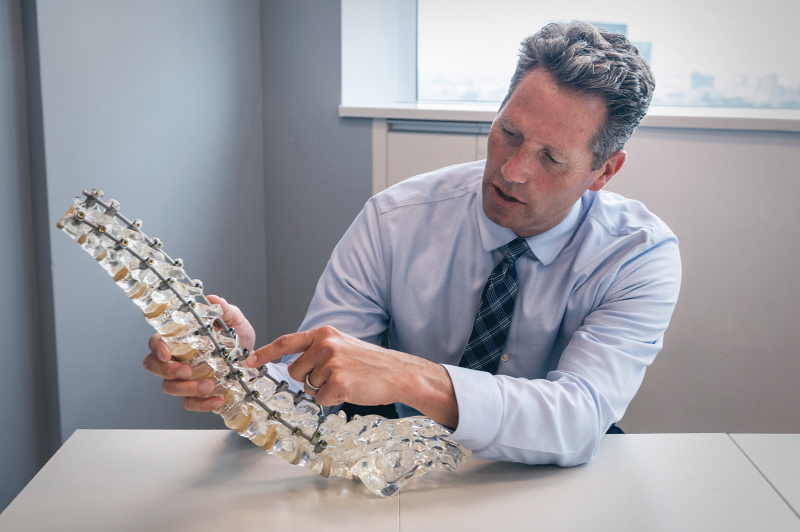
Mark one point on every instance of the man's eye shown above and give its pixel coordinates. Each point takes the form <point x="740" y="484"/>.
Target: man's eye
<point x="551" y="159"/>
<point x="508" y="133"/>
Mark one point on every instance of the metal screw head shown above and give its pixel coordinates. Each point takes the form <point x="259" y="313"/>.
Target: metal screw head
<point x="101" y="229"/>
<point x="137" y="223"/>
<point x="299" y="432"/>
<point x="123" y="243"/>
<point x="256" y="395"/>
<point x="80" y="215"/>
<point x="150" y="262"/>
<point x="114" y="204"/>
<point x="178" y="263"/>
<point x="97" y="192"/>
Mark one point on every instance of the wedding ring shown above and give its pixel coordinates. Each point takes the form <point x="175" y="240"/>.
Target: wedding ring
<point x="311" y="386"/>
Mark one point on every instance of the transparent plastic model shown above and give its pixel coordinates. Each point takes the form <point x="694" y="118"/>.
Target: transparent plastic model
<point x="383" y="453"/>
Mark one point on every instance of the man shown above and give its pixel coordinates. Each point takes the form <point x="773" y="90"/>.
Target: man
<point x="582" y="287"/>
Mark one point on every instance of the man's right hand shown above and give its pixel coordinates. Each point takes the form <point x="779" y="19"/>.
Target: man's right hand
<point x="177" y="375"/>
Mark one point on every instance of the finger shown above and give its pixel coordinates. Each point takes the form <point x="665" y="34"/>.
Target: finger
<point x="333" y="392"/>
<point x="224" y="306"/>
<point x="224" y="309"/>
<point x="217" y="300"/>
<point x="311" y="367"/>
<point x="309" y="385"/>
<point x="288" y="344"/>
<point x="231" y="314"/>
<point x="203" y="404"/>
<point x="315" y="356"/>
<point x="159" y="348"/>
<point x="166" y="370"/>
<point x="326" y="398"/>
<point x="184" y="388"/>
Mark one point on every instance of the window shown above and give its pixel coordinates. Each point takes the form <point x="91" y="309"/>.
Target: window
<point x="739" y="54"/>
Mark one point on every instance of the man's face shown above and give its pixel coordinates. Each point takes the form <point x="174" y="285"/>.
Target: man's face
<point x="539" y="161"/>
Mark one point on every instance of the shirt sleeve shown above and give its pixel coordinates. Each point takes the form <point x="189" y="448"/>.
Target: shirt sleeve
<point x="560" y="419"/>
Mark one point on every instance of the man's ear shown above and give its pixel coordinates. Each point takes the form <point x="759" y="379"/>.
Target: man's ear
<point x="612" y="165"/>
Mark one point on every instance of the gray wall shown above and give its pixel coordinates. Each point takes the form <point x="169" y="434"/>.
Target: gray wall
<point x="22" y="442"/>
<point x="158" y="104"/>
<point x="213" y="121"/>
<point x="318" y="167"/>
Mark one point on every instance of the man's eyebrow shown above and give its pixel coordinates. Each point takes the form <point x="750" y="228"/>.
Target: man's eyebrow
<point x="506" y="122"/>
<point x="555" y="151"/>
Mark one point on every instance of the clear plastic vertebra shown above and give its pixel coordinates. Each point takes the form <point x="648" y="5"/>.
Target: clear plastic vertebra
<point x="383" y="453"/>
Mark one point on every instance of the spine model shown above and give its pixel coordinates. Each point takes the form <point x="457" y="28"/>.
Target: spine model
<point x="383" y="453"/>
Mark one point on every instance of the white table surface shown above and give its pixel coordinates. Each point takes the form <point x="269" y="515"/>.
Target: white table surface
<point x="154" y="480"/>
<point x="637" y="482"/>
<point x="777" y="456"/>
<point x="119" y="480"/>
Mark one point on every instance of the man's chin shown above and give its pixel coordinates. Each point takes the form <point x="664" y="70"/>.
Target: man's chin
<point x="497" y="214"/>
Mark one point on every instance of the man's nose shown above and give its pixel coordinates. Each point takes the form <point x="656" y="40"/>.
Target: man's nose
<point x="517" y="169"/>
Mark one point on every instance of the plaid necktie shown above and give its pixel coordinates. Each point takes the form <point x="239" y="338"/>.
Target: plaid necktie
<point x="494" y="315"/>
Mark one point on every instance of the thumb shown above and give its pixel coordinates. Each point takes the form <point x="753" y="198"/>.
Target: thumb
<point x="230" y="313"/>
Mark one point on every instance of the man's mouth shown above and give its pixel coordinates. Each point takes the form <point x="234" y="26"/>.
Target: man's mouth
<point x="503" y="196"/>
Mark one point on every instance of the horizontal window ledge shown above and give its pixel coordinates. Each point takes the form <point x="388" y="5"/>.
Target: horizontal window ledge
<point x="658" y="116"/>
<point x="423" y="111"/>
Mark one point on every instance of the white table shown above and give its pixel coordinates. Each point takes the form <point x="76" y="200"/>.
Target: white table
<point x="777" y="457"/>
<point x="214" y="480"/>
<point x="146" y="481"/>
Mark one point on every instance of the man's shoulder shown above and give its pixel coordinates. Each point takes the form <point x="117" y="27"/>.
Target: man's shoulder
<point x="444" y="184"/>
<point x="620" y="216"/>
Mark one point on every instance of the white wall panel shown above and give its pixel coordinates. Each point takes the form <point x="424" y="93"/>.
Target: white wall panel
<point x="731" y="360"/>
<point x="410" y="154"/>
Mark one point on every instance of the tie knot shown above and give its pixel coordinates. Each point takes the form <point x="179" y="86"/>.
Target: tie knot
<point x="516" y="248"/>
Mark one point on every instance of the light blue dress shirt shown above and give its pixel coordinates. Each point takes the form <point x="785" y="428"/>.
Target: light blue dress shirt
<point x="595" y="297"/>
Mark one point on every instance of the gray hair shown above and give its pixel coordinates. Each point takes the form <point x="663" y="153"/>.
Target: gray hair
<point x="596" y="62"/>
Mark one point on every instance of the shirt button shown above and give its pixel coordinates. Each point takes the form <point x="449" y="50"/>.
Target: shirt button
<point x="504" y="357"/>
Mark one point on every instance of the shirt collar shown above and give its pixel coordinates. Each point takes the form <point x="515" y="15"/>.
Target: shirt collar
<point x="545" y="246"/>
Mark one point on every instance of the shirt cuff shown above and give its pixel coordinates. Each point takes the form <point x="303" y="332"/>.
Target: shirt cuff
<point x="480" y="406"/>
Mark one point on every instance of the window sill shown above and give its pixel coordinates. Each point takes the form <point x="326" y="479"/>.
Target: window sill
<point x="663" y="117"/>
